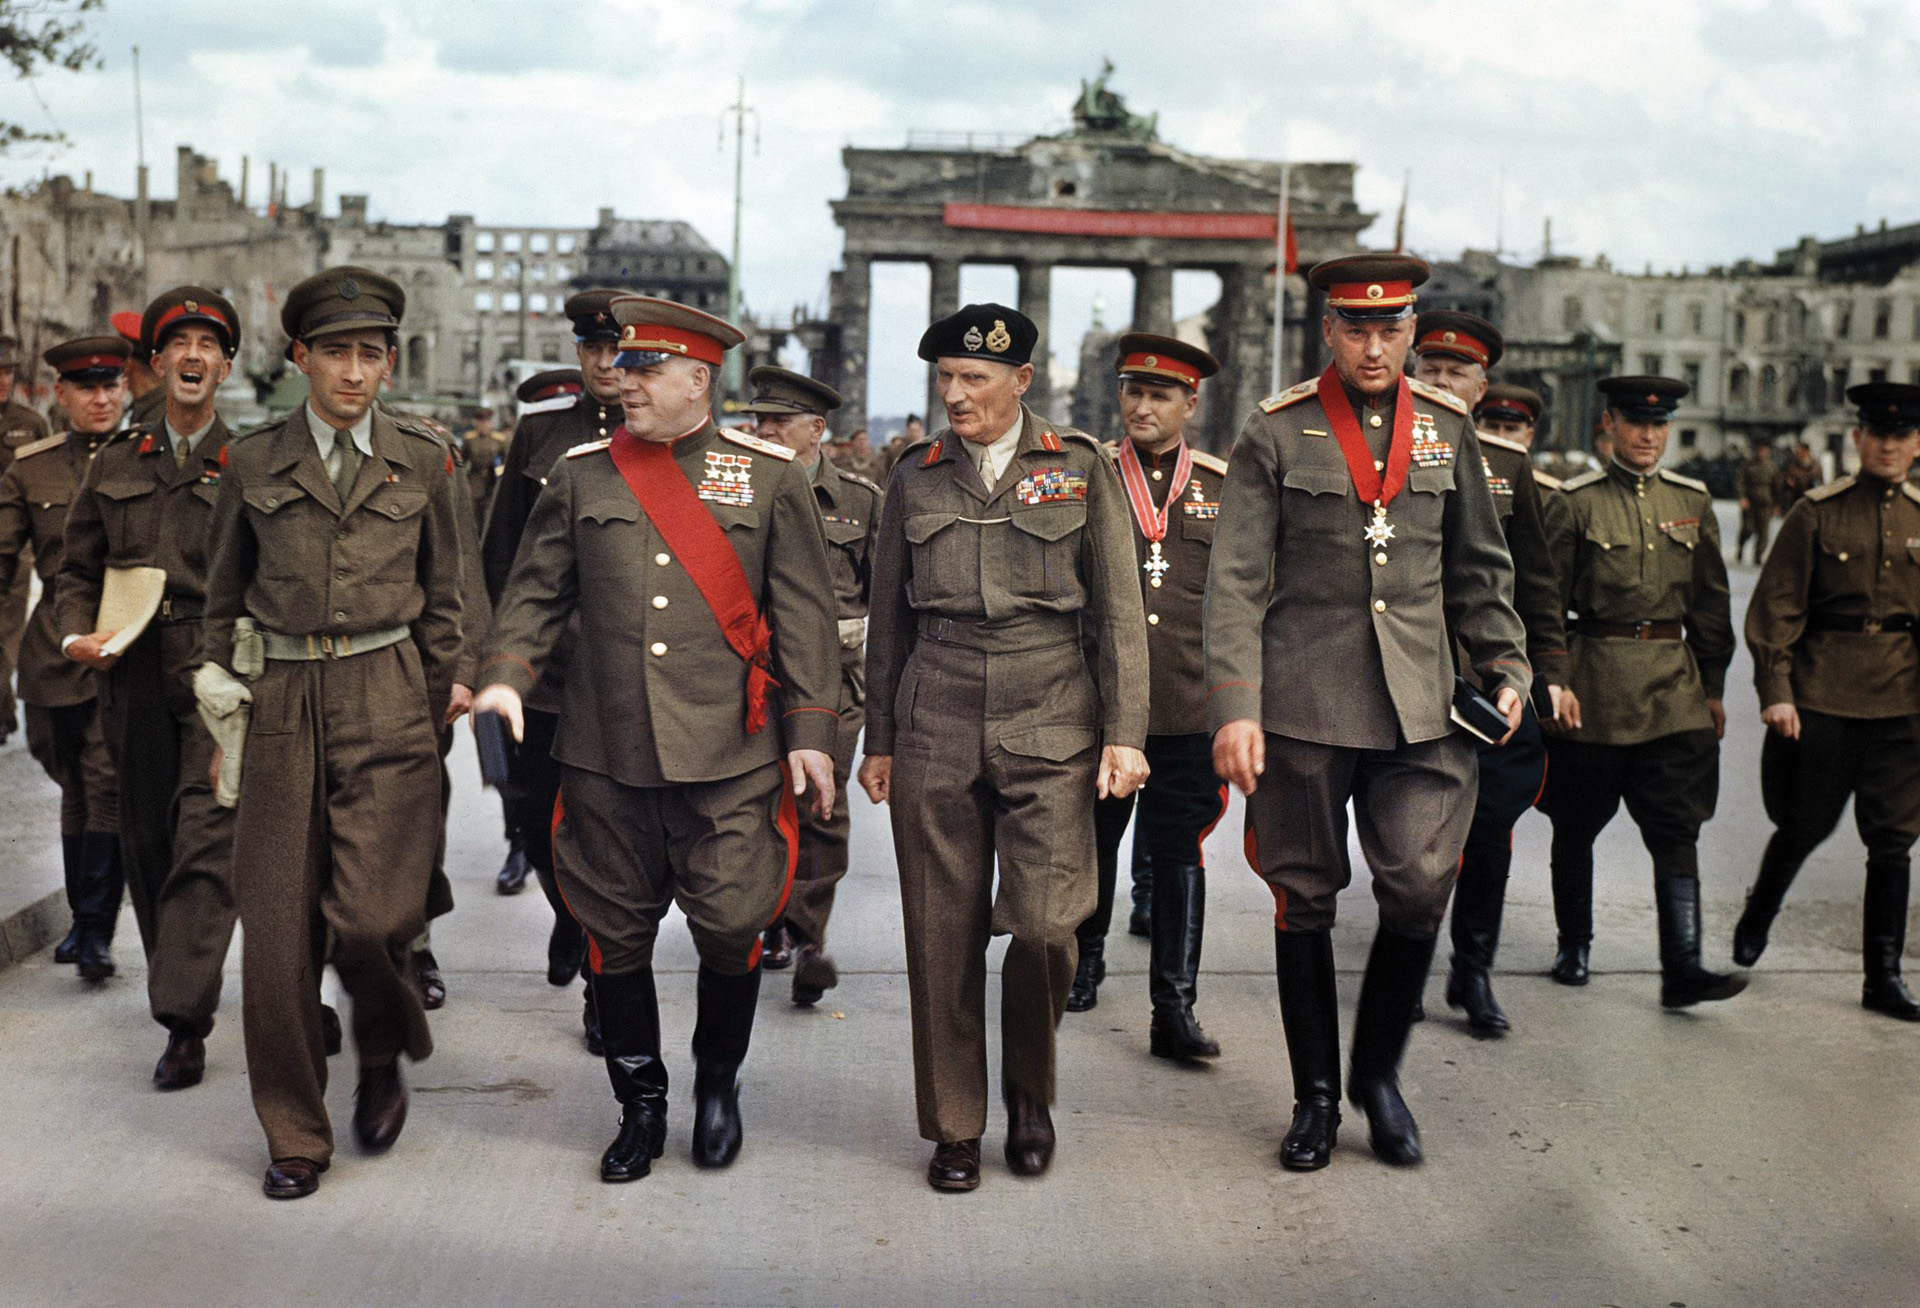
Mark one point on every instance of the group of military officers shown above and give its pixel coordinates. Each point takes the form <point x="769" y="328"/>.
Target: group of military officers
<point x="685" y="630"/>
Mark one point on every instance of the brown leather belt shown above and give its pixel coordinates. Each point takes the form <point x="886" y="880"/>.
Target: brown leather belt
<point x="1628" y="630"/>
<point x="1902" y="622"/>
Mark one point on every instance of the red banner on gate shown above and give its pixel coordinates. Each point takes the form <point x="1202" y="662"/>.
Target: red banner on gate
<point x="1113" y="222"/>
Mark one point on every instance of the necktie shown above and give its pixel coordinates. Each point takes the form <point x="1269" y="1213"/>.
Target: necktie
<point x="343" y="465"/>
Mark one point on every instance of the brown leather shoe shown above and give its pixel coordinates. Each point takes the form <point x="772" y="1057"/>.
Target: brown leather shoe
<point x="955" y="1165"/>
<point x="380" y="1107"/>
<point x="776" y="948"/>
<point x="183" y="1064"/>
<point x="1029" y="1134"/>
<point x="292" y="1178"/>
<point x="330" y="1034"/>
<point x="813" y="975"/>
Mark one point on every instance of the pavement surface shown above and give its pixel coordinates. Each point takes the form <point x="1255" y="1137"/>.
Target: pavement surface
<point x="1756" y="1152"/>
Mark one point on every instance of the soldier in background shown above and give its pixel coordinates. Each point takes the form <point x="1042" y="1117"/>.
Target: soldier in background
<point x="1652" y="634"/>
<point x="143" y="384"/>
<point x="1798" y="475"/>
<point x="19" y="425"/>
<point x="1755" y="484"/>
<point x="147" y="501"/>
<point x="63" y="721"/>
<point x="1832" y="627"/>
<point x="1173" y="493"/>
<point x="485" y="451"/>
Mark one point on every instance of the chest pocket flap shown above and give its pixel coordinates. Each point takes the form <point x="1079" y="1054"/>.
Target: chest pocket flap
<point x="273" y="497"/>
<point x="1051" y="521"/>
<point x="1431" y="481"/>
<point x="611" y="509"/>
<point x="734" y="517"/>
<point x="1686" y="534"/>
<point x="123" y="488"/>
<point x="845" y="533"/>
<point x="1317" y="481"/>
<point x="397" y="502"/>
<point x="921" y="527"/>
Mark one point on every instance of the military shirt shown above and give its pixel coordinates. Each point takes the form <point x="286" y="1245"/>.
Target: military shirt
<point x="1518" y="499"/>
<point x="1173" y="586"/>
<point x="1050" y="538"/>
<point x="1848" y="550"/>
<point x="35" y="492"/>
<point x="285" y="551"/>
<point x="1645" y="548"/>
<point x="1319" y="633"/>
<point x="655" y="695"/>
<point x="138" y="508"/>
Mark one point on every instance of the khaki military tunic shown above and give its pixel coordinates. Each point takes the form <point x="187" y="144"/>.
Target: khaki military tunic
<point x="342" y="758"/>
<point x="138" y="507"/>
<point x="485" y="455"/>
<point x="656" y="699"/>
<point x="19" y="425"/>
<point x="850" y="517"/>
<point x="980" y="690"/>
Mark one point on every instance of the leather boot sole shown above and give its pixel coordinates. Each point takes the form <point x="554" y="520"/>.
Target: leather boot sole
<point x="1688" y="994"/>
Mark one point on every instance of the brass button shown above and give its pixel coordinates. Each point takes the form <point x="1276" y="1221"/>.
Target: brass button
<point x="663" y="559"/>
<point x="1378" y="466"/>
<point x="1843" y="556"/>
<point x="658" y="648"/>
<point x="1373" y="420"/>
<point x="1153" y="619"/>
<point x="659" y="601"/>
<point x="1156" y="474"/>
<point x="1650" y="546"/>
<point x="1154" y="582"/>
<point x="1379" y="606"/>
<point x="1381" y="558"/>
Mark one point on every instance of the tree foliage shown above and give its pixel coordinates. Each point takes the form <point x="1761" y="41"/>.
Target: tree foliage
<point x="36" y="34"/>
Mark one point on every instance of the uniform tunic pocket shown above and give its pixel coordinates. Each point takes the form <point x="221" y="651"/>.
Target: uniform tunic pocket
<point x="945" y="556"/>
<point x="1057" y="527"/>
<point x="126" y="512"/>
<point x="1314" y="500"/>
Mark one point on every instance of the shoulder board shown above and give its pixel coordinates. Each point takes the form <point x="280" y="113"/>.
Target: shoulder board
<point x="1112" y="448"/>
<point x="757" y="445"/>
<point x="1445" y="398"/>
<point x="1075" y="434"/>
<point x="1678" y="480"/>
<point x="1592" y="476"/>
<point x="858" y="480"/>
<point x="1211" y="462"/>
<point x="413" y="425"/>
<point x="1502" y="443"/>
<point x="40" y="446"/>
<point x="261" y="430"/>
<point x="1827" y="490"/>
<point x="590" y="447"/>
<point x="556" y="404"/>
<point x="1911" y="491"/>
<point x="1547" y="481"/>
<point x="1292" y="395"/>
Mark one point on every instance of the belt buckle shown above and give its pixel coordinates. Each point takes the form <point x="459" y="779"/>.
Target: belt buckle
<point x="166" y="609"/>
<point x="1643" y="631"/>
<point x="1870" y="626"/>
<point x="326" y="646"/>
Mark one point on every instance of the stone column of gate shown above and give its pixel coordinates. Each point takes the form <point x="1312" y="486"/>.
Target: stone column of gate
<point x="1153" y="298"/>
<point x="1036" y="299"/>
<point x="1245" y="311"/>
<point x="854" y="287"/>
<point x="943" y="298"/>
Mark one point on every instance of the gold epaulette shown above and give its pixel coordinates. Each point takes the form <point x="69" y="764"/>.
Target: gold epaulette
<point x="1550" y="482"/>
<point x="859" y="480"/>
<point x="589" y="447"/>
<point x="1912" y="492"/>
<point x="1211" y="462"/>
<point x="1591" y="477"/>
<point x="1689" y="482"/>
<point x="40" y="446"/>
<point x="1826" y="490"/>
<point x="1292" y="395"/>
<point x="757" y="445"/>
<point x="1501" y="443"/>
<point x="1438" y="396"/>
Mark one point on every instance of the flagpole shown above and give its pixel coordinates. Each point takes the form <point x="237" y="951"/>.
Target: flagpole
<point x="1280" y="284"/>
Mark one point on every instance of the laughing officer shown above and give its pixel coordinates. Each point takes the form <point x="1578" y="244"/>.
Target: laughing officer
<point x="702" y="700"/>
<point x="988" y="733"/>
<point x="1357" y="539"/>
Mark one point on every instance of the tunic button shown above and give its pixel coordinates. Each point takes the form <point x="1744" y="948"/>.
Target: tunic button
<point x="659" y="601"/>
<point x="1381" y="558"/>
<point x="1153" y="619"/>
<point x="1379" y="606"/>
<point x="1378" y="466"/>
<point x="339" y="616"/>
<point x="658" y="648"/>
<point x="663" y="559"/>
<point x="1650" y="546"/>
<point x="1843" y="556"/>
<point x="1374" y="420"/>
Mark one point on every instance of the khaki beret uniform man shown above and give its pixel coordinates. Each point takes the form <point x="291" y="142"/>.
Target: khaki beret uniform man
<point x="1357" y="539"/>
<point x="1832" y="626"/>
<point x="19" y="425"/>
<point x="146" y="502"/>
<point x="792" y="411"/>
<point x="1453" y="352"/>
<point x="701" y="701"/>
<point x="1173" y="500"/>
<point x="987" y="730"/>
<point x="334" y="599"/>
<point x="63" y="720"/>
<point x="559" y="410"/>
<point x="1651" y="637"/>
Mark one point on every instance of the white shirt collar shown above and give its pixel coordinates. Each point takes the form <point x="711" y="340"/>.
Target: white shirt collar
<point x="993" y="457"/>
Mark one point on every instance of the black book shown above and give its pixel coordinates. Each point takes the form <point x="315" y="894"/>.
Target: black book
<point x="495" y="745"/>
<point x="1477" y="713"/>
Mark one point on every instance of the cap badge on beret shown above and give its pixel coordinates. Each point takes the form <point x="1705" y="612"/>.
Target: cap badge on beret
<point x="999" y="340"/>
<point x="348" y="289"/>
<point x="973" y="340"/>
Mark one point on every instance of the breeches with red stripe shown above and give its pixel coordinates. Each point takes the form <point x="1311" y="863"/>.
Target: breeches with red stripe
<point x="724" y="851"/>
<point x="1412" y="806"/>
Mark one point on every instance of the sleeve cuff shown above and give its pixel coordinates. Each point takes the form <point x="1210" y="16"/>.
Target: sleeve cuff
<point x="1233" y="701"/>
<point x="1775" y="688"/>
<point x="507" y="670"/>
<point x="878" y="736"/>
<point x="1552" y="667"/>
<point x="810" y="728"/>
<point x="1714" y="683"/>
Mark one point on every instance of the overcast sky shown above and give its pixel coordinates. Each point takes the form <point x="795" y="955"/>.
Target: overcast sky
<point x="1667" y="133"/>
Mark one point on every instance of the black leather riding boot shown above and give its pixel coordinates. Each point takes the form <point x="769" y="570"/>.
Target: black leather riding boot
<point x="629" y="1012"/>
<point x="1396" y="974"/>
<point x="1089" y="972"/>
<point x="1778" y="867"/>
<point x="104" y="879"/>
<point x="1178" y="912"/>
<point x="1883" y="938"/>
<point x="68" y="950"/>
<point x="1478" y="900"/>
<point x="1683" y="981"/>
<point x="1139" y="921"/>
<point x="721" y="1034"/>
<point x="1572" y="913"/>
<point x="1310" y="1014"/>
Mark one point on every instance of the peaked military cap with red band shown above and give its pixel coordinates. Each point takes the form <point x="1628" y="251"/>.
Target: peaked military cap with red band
<point x="1461" y="335"/>
<point x="1146" y="357"/>
<point x="1644" y="398"/>
<point x="185" y="304"/>
<point x="654" y="330"/>
<point x="90" y="359"/>
<point x="592" y="314"/>
<point x="1370" y="287"/>
<point x="1888" y="408"/>
<point x="344" y="299"/>
<point x="981" y="331"/>
<point x="548" y="385"/>
<point x="1509" y="403"/>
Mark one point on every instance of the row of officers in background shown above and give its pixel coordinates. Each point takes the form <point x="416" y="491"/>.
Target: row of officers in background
<point x="686" y="631"/>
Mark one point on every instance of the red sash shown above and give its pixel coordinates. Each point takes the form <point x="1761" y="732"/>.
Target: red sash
<point x="669" y="501"/>
<point x="1367" y="481"/>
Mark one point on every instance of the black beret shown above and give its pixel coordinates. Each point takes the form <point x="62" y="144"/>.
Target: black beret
<point x="982" y="331"/>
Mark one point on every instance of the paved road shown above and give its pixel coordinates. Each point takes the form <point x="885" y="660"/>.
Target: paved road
<point x="1607" y="1153"/>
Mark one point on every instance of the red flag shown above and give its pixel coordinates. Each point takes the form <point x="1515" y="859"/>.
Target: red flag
<point x="1293" y="246"/>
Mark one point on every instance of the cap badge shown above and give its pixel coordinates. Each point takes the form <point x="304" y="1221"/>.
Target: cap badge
<point x="602" y="318"/>
<point x="998" y="340"/>
<point x="1451" y="338"/>
<point x="348" y="289"/>
<point x="191" y="306"/>
<point x="973" y="340"/>
<point x="1153" y="361"/>
<point x="1653" y="399"/>
<point x="1376" y="291"/>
